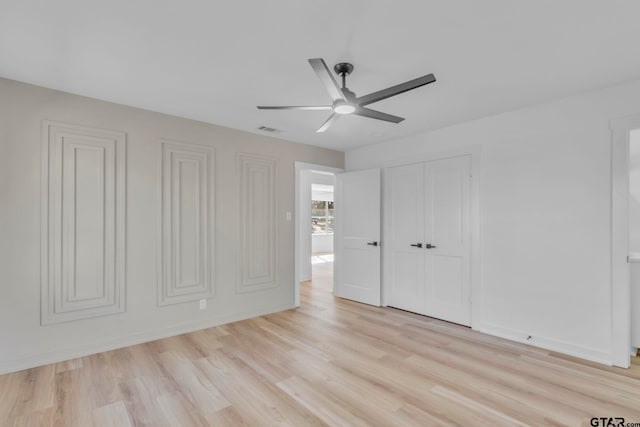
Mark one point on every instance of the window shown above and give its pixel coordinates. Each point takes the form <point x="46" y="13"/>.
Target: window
<point x="321" y="217"/>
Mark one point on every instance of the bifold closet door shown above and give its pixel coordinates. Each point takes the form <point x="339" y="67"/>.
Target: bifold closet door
<point x="448" y="231"/>
<point x="406" y="239"/>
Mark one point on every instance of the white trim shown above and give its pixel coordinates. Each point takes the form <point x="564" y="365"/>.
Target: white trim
<point x="166" y="292"/>
<point x="300" y="166"/>
<point x="321" y="169"/>
<point x="594" y="355"/>
<point x="115" y="301"/>
<point x="244" y="282"/>
<point x="476" y="276"/>
<point x="620" y="275"/>
<point x="473" y="150"/>
<point x="14" y="365"/>
<point x="384" y="232"/>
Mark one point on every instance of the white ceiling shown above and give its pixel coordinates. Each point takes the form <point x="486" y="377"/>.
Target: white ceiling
<point x="215" y="61"/>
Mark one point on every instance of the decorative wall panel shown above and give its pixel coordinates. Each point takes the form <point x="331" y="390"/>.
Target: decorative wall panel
<point x="257" y="192"/>
<point x="188" y="223"/>
<point x="83" y="222"/>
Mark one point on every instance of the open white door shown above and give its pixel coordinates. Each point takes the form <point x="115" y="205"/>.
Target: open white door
<point x="357" y="236"/>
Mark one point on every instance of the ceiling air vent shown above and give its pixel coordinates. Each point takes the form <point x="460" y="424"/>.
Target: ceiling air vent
<point x="268" y="129"/>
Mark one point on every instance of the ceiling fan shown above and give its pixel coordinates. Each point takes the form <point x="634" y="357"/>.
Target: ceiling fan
<point x="345" y="101"/>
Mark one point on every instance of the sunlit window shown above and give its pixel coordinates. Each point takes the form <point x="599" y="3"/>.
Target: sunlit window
<point x="321" y="217"/>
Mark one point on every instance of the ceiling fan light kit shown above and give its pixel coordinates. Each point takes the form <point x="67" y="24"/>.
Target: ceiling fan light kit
<point x="345" y="101"/>
<point x="343" y="108"/>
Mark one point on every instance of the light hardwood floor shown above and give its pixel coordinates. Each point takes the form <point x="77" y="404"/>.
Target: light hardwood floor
<point x="330" y="362"/>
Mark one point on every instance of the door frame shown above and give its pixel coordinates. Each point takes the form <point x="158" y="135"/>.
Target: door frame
<point x="474" y="152"/>
<point x="302" y="166"/>
<point x="620" y="268"/>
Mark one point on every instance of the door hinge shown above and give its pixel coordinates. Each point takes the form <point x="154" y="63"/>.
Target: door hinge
<point x="628" y="260"/>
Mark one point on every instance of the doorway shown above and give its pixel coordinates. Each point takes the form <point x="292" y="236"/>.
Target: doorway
<point x="322" y="224"/>
<point x="314" y="220"/>
<point x="625" y="301"/>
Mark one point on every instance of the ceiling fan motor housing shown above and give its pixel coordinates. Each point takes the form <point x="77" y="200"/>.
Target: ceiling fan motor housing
<point x="343" y="68"/>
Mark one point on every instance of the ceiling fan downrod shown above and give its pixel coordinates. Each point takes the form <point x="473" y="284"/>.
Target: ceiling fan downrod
<point x="343" y="69"/>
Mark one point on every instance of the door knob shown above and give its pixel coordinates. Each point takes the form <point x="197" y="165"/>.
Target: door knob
<point x="430" y="246"/>
<point x="372" y="243"/>
<point x="417" y="245"/>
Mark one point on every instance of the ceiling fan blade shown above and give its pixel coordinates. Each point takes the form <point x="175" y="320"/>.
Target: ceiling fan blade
<point x="326" y="125"/>
<point x="295" y="107"/>
<point x="379" y="115"/>
<point x="321" y="69"/>
<point x="395" y="90"/>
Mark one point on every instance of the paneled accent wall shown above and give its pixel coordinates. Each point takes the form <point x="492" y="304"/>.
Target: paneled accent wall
<point x="83" y="222"/>
<point x="257" y="261"/>
<point x="188" y="223"/>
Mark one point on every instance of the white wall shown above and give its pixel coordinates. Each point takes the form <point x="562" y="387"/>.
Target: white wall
<point x="323" y="178"/>
<point x="545" y="215"/>
<point x="322" y="243"/>
<point x="23" y="341"/>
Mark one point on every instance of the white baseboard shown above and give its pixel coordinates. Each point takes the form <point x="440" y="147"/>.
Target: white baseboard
<point x="586" y="353"/>
<point x="8" y="366"/>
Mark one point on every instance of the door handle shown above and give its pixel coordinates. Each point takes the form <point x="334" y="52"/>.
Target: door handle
<point x="417" y="245"/>
<point x="372" y="243"/>
<point x="430" y="246"/>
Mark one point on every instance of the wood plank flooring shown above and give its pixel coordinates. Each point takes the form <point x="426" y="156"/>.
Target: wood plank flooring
<point x="330" y="362"/>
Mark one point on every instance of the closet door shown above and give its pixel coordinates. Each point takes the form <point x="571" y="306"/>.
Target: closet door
<point x="448" y="231"/>
<point x="406" y="237"/>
